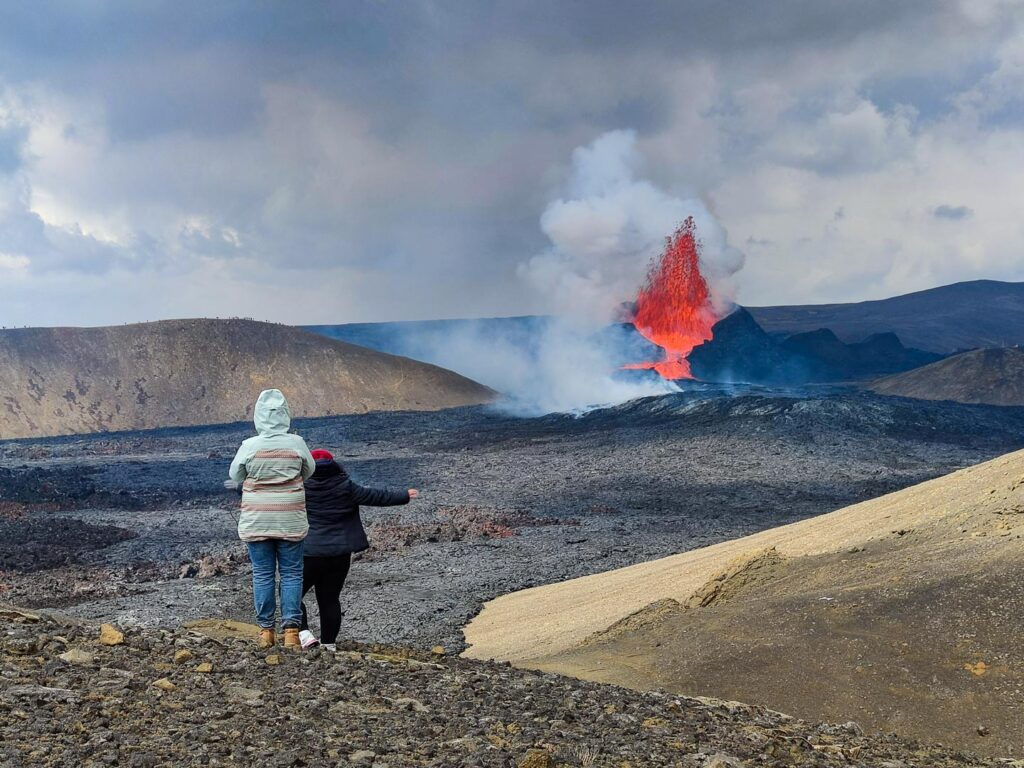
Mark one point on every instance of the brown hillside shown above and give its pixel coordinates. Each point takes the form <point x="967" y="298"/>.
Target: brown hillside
<point x="904" y="614"/>
<point x="988" y="376"/>
<point x="57" y="381"/>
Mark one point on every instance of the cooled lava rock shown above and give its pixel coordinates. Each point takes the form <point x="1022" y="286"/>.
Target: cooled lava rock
<point x="741" y="350"/>
<point x="880" y="353"/>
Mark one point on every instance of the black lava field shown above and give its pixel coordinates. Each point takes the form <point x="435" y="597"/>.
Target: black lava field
<point x="135" y="527"/>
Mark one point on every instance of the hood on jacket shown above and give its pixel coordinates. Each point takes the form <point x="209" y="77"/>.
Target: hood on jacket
<point x="272" y="415"/>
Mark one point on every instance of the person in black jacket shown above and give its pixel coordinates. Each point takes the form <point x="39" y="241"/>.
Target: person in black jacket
<point x="335" y="534"/>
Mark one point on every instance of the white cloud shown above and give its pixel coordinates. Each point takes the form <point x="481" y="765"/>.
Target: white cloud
<point x="14" y="265"/>
<point x="853" y="138"/>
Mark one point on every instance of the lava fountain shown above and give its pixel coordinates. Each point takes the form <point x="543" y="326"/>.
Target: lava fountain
<point x="673" y="308"/>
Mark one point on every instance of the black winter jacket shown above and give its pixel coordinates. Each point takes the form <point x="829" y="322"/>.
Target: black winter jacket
<point x="332" y="507"/>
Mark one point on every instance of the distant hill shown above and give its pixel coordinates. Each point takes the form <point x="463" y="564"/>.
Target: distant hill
<point x="989" y="376"/>
<point x="877" y="354"/>
<point x="419" y="338"/>
<point x="889" y="334"/>
<point x="953" y="318"/>
<point x="57" y="381"/>
<point x="740" y="350"/>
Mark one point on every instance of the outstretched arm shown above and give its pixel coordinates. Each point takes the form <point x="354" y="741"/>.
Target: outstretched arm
<point x="381" y="497"/>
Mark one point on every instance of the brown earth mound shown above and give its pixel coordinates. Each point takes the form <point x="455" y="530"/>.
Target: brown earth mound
<point x="904" y="613"/>
<point x="741" y="574"/>
<point x="986" y="376"/>
<point x="56" y="381"/>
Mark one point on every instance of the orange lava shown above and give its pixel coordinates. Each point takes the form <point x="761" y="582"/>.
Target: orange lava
<point x="673" y="309"/>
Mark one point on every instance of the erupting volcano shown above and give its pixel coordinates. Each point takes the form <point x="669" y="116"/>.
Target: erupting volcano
<point x="673" y="308"/>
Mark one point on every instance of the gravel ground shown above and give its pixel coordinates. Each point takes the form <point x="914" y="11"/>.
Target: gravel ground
<point x="134" y="527"/>
<point x="76" y="695"/>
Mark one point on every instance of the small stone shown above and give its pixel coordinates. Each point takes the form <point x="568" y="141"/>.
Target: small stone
<point x="164" y="685"/>
<point x="21" y="646"/>
<point x="188" y="571"/>
<point x="111" y="635"/>
<point x="983" y="731"/>
<point x="39" y="692"/>
<point x="978" y="670"/>
<point x="183" y="655"/>
<point x="362" y="756"/>
<point x="243" y="695"/>
<point x="723" y="761"/>
<point x="76" y="656"/>
<point x="438" y="650"/>
<point x="537" y="758"/>
<point x="204" y="668"/>
<point x="413" y="705"/>
<point x="273" y="659"/>
<point x="853" y="728"/>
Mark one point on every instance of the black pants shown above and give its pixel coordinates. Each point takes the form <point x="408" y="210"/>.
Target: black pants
<point x="327" y="576"/>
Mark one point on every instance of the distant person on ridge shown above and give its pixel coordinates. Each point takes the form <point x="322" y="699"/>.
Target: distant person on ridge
<point x="335" y="534"/>
<point x="271" y="468"/>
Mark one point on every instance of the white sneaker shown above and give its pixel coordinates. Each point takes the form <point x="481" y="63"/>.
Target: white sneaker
<point x="330" y="647"/>
<point x="308" y="640"/>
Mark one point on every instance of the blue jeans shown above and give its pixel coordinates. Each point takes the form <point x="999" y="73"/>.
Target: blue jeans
<point x="268" y="557"/>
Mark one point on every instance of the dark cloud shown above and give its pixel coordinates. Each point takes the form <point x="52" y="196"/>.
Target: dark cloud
<point x="49" y="248"/>
<point x="415" y="144"/>
<point x="952" y="212"/>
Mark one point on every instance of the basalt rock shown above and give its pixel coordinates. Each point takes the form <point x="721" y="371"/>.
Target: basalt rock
<point x="369" y="707"/>
<point x="741" y="351"/>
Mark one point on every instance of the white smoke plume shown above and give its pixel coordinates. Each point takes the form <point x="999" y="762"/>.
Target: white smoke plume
<point x="605" y="230"/>
<point x="610" y="225"/>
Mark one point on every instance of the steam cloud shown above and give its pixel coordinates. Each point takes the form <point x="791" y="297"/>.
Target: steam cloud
<point x="604" y="232"/>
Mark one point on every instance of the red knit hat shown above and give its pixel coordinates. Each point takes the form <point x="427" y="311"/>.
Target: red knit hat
<point x="321" y="455"/>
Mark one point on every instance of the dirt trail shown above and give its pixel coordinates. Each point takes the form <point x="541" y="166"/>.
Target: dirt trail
<point x="544" y="621"/>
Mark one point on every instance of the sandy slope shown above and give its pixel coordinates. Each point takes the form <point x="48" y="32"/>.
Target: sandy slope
<point x="903" y="613"/>
<point x="547" y="620"/>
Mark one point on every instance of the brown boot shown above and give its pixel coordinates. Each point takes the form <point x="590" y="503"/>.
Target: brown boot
<point x="267" y="639"/>
<point x="291" y="639"/>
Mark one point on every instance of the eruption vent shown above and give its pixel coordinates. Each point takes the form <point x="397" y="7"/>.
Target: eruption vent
<point x="673" y="308"/>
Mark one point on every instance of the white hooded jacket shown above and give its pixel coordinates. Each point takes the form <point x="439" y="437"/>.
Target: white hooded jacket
<point x="272" y="467"/>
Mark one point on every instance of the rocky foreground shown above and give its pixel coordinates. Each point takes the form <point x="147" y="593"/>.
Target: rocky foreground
<point x="75" y="694"/>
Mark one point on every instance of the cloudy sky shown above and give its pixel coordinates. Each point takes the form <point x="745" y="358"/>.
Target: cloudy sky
<point x="330" y="162"/>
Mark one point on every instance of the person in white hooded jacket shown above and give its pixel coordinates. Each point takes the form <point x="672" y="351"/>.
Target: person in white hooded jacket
<point x="271" y="468"/>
